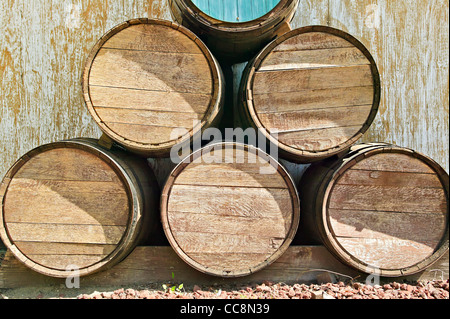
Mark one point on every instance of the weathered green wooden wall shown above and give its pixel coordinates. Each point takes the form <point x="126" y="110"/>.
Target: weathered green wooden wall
<point x="43" y="45"/>
<point x="236" y="10"/>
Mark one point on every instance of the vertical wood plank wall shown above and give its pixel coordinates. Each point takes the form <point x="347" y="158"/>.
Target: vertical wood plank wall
<point x="43" y="45"/>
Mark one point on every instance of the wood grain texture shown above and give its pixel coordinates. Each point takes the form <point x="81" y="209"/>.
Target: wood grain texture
<point x="234" y="222"/>
<point x="384" y="215"/>
<point x="388" y="208"/>
<point x="156" y="264"/>
<point x="44" y="44"/>
<point x="379" y="208"/>
<point x="313" y="81"/>
<point x="410" y="42"/>
<point x="42" y="50"/>
<point x="75" y="203"/>
<point x="57" y="197"/>
<point x="159" y="60"/>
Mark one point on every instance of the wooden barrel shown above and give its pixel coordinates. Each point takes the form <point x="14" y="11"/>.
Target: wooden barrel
<point x="380" y="209"/>
<point x="234" y="41"/>
<point x="152" y="84"/>
<point x="74" y="205"/>
<point x="229" y="210"/>
<point x="313" y="91"/>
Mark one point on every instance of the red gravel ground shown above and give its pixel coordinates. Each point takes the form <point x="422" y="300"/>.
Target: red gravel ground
<point x="267" y="290"/>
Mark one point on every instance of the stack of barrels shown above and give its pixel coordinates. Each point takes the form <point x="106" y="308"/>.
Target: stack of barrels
<point x="227" y="208"/>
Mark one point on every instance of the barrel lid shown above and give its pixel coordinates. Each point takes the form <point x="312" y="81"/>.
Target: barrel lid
<point x="151" y="84"/>
<point x="386" y="211"/>
<point x="314" y="91"/>
<point x="66" y="207"/>
<point x="229" y="210"/>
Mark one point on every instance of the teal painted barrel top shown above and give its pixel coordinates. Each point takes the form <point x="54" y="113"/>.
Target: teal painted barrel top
<point x="236" y="10"/>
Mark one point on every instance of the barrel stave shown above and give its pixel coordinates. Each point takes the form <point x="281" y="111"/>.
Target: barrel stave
<point x="313" y="91"/>
<point x="152" y="84"/>
<point x="380" y="209"/>
<point x="227" y="215"/>
<point x="73" y="203"/>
